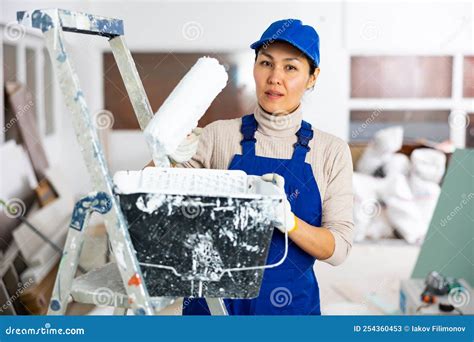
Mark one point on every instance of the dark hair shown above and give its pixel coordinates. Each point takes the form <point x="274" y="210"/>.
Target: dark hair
<point x="312" y="66"/>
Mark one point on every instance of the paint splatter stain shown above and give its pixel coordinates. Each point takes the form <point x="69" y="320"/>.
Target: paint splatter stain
<point x="140" y="312"/>
<point x="55" y="305"/>
<point x="134" y="280"/>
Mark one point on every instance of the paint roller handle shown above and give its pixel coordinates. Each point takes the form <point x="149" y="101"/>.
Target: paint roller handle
<point x="187" y="148"/>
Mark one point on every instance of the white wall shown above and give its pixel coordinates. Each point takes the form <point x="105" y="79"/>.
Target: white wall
<point x="344" y="27"/>
<point x="232" y="27"/>
<point x="392" y="27"/>
<point x="62" y="148"/>
<point x="87" y="60"/>
<point x="409" y="26"/>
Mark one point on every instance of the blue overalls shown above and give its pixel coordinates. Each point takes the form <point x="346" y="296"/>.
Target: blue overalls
<point x="291" y="288"/>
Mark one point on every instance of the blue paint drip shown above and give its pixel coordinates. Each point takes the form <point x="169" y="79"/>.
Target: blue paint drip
<point x="20" y="15"/>
<point x="140" y="312"/>
<point x="78" y="95"/>
<point x="55" y="305"/>
<point x="41" y="20"/>
<point x="62" y="56"/>
<point x="111" y="26"/>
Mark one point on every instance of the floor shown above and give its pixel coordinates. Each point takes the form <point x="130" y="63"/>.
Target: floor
<point x="367" y="283"/>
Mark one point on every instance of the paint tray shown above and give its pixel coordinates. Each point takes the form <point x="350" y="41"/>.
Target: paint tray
<point x="199" y="233"/>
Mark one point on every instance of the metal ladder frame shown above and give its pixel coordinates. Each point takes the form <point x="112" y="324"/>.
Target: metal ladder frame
<point x="52" y="22"/>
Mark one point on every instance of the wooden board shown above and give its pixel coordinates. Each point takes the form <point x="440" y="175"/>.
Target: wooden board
<point x="21" y="103"/>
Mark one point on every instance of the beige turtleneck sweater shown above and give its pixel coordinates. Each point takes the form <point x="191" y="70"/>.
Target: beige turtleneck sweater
<point x="329" y="157"/>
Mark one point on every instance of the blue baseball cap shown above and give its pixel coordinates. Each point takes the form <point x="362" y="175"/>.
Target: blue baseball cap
<point x="303" y="37"/>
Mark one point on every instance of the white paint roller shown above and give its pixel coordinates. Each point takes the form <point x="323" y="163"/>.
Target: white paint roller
<point x="183" y="108"/>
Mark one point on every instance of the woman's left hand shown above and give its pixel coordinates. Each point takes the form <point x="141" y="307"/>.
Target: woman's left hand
<point x="287" y="220"/>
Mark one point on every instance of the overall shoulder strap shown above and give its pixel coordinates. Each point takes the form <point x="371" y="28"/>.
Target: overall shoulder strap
<point x="248" y="128"/>
<point x="304" y="134"/>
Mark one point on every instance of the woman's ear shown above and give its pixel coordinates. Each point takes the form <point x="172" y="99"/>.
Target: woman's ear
<point x="312" y="78"/>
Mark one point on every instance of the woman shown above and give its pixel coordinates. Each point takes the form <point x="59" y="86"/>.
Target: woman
<point x="315" y="169"/>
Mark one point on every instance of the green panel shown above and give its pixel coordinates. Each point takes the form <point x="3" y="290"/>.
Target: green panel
<point x="449" y="244"/>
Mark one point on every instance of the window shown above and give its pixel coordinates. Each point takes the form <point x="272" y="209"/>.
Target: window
<point x="401" y="77"/>
<point x="429" y="124"/>
<point x="160" y="73"/>
<point x="418" y="93"/>
<point x="26" y="61"/>
<point x="9" y="63"/>
<point x="468" y="77"/>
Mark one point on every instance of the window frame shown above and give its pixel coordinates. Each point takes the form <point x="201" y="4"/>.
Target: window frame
<point x="34" y="40"/>
<point x="455" y="104"/>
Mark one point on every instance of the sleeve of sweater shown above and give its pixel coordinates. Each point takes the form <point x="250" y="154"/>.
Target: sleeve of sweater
<point x="338" y="203"/>
<point x="204" y="152"/>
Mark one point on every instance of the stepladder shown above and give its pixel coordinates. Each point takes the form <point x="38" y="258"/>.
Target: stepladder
<point x="101" y="286"/>
<point x="53" y="23"/>
<point x="126" y="283"/>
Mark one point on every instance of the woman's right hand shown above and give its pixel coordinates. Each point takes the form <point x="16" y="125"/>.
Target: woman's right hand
<point x="187" y="148"/>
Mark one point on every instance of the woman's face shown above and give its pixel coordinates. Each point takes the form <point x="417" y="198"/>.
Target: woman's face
<point x="281" y="74"/>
